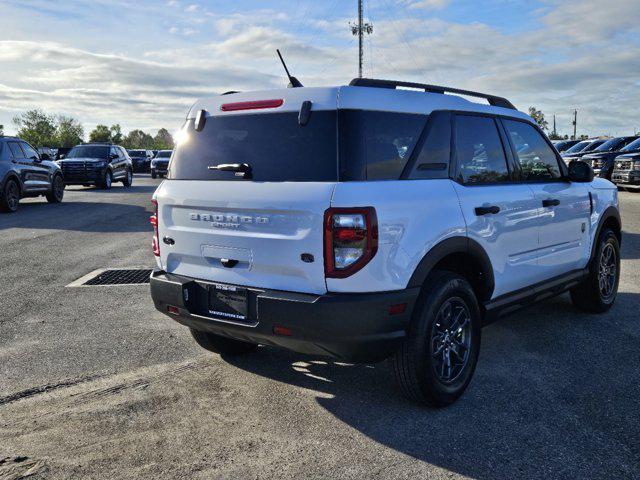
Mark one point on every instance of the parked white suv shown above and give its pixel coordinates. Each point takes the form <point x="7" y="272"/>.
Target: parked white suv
<point x="371" y="221"/>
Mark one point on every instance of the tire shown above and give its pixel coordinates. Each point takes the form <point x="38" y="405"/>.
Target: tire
<point x="128" y="180"/>
<point x="221" y="345"/>
<point x="597" y="293"/>
<point x="57" y="190"/>
<point x="10" y="196"/>
<point x="420" y="365"/>
<point x="153" y="174"/>
<point x="107" y="181"/>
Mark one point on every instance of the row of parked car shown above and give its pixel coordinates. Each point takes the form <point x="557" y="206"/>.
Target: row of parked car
<point x="27" y="172"/>
<point x="616" y="159"/>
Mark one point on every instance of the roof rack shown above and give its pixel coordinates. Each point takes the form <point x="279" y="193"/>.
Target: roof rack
<point x="392" y="84"/>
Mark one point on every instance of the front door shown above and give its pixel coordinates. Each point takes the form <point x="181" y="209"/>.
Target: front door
<point x="500" y="214"/>
<point x="564" y="208"/>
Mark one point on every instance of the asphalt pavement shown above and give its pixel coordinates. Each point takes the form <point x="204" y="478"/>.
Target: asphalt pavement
<point x="94" y="383"/>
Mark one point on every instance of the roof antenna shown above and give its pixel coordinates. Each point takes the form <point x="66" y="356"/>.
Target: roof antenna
<point x="293" y="81"/>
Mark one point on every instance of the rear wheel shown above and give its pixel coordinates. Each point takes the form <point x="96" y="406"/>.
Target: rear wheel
<point x="597" y="293"/>
<point x="107" y="180"/>
<point x="57" y="190"/>
<point x="128" y="179"/>
<point x="10" y="196"/>
<point x="439" y="355"/>
<point x="221" y="345"/>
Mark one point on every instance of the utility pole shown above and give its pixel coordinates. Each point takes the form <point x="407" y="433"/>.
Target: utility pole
<point x="575" y="123"/>
<point x="555" y="132"/>
<point x="360" y="29"/>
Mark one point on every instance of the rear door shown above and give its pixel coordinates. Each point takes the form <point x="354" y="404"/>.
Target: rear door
<point x="262" y="228"/>
<point x="500" y="213"/>
<point x="563" y="207"/>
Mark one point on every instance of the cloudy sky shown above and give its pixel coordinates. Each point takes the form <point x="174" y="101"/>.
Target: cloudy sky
<point x="143" y="63"/>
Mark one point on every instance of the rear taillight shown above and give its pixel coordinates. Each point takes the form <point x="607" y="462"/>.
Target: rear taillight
<point x="153" y="219"/>
<point x="350" y="240"/>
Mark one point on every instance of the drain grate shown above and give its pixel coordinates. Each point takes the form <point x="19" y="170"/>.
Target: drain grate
<point x="129" y="276"/>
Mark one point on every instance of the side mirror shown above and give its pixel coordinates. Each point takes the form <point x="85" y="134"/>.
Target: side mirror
<point x="580" y="172"/>
<point x="45" y="156"/>
<point x="61" y="156"/>
<point x="113" y="156"/>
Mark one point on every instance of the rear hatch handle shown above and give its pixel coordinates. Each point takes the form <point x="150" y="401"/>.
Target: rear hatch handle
<point x="243" y="170"/>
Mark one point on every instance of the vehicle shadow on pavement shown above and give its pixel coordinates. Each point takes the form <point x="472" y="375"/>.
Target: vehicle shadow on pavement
<point x="79" y="217"/>
<point x="116" y="189"/>
<point x="555" y="395"/>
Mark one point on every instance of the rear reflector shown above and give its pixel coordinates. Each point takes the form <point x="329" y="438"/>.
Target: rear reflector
<point x="280" y="330"/>
<point x="255" y="105"/>
<point x="397" y="309"/>
<point x="173" y="310"/>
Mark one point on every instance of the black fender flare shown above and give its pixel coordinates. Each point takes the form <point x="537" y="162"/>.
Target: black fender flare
<point x="450" y="246"/>
<point x="610" y="212"/>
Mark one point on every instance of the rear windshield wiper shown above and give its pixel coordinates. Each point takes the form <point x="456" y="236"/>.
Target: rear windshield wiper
<point x="242" y="169"/>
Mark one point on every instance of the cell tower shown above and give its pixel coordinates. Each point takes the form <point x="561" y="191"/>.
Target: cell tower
<point x="360" y="30"/>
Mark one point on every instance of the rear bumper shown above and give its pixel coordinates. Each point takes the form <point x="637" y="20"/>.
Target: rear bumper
<point x="350" y="327"/>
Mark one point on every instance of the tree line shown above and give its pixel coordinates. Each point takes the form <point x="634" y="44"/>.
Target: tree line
<point x="43" y="130"/>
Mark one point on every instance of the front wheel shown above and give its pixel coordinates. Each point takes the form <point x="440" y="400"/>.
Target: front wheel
<point x="57" y="190"/>
<point x="10" y="196"/>
<point x="221" y="345"/>
<point x="597" y="293"/>
<point x="437" y="359"/>
<point x="107" y="180"/>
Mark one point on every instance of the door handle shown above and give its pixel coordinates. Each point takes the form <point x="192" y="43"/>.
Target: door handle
<point x="552" y="202"/>
<point x="493" y="209"/>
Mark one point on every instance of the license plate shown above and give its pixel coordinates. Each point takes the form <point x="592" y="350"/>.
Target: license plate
<point x="228" y="302"/>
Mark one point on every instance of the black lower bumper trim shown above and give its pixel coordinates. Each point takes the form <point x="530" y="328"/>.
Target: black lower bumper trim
<point x="350" y="327"/>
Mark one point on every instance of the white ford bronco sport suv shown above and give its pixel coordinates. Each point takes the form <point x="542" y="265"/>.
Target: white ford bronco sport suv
<point x="376" y="220"/>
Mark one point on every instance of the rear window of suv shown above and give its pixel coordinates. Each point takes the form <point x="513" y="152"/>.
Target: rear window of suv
<point x="345" y="145"/>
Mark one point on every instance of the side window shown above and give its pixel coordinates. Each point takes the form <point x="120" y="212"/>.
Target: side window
<point x="15" y="150"/>
<point x="479" y="151"/>
<point x="376" y="145"/>
<point x="122" y="152"/>
<point x="114" y="151"/>
<point x="29" y="152"/>
<point x="433" y="159"/>
<point x="536" y="158"/>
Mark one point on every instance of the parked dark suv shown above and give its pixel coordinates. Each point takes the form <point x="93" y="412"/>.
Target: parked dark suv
<point x="601" y="160"/>
<point x="25" y="173"/>
<point x="98" y="164"/>
<point x="626" y="166"/>
<point x="160" y="164"/>
<point x="141" y="160"/>
<point x="581" y="149"/>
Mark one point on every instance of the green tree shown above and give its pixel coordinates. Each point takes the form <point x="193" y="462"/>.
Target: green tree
<point x="116" y="134"/>
<point x="538" y="116"/>
<point x="163" y="140"/>
<point x="138" y="139"/>
<point x="1" y="130"/>
<point x="69" y="132"/>
<point x="100" y="134"/>
<point x="36" y="127"/>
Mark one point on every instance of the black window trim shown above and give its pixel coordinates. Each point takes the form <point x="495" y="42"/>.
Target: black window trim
<point x="418" y="146"/>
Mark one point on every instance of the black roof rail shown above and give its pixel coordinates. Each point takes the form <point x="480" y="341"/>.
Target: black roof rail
<point x="393" y="84"/>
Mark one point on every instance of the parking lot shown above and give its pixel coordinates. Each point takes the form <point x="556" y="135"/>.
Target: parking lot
<point x="95" y="383"/>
